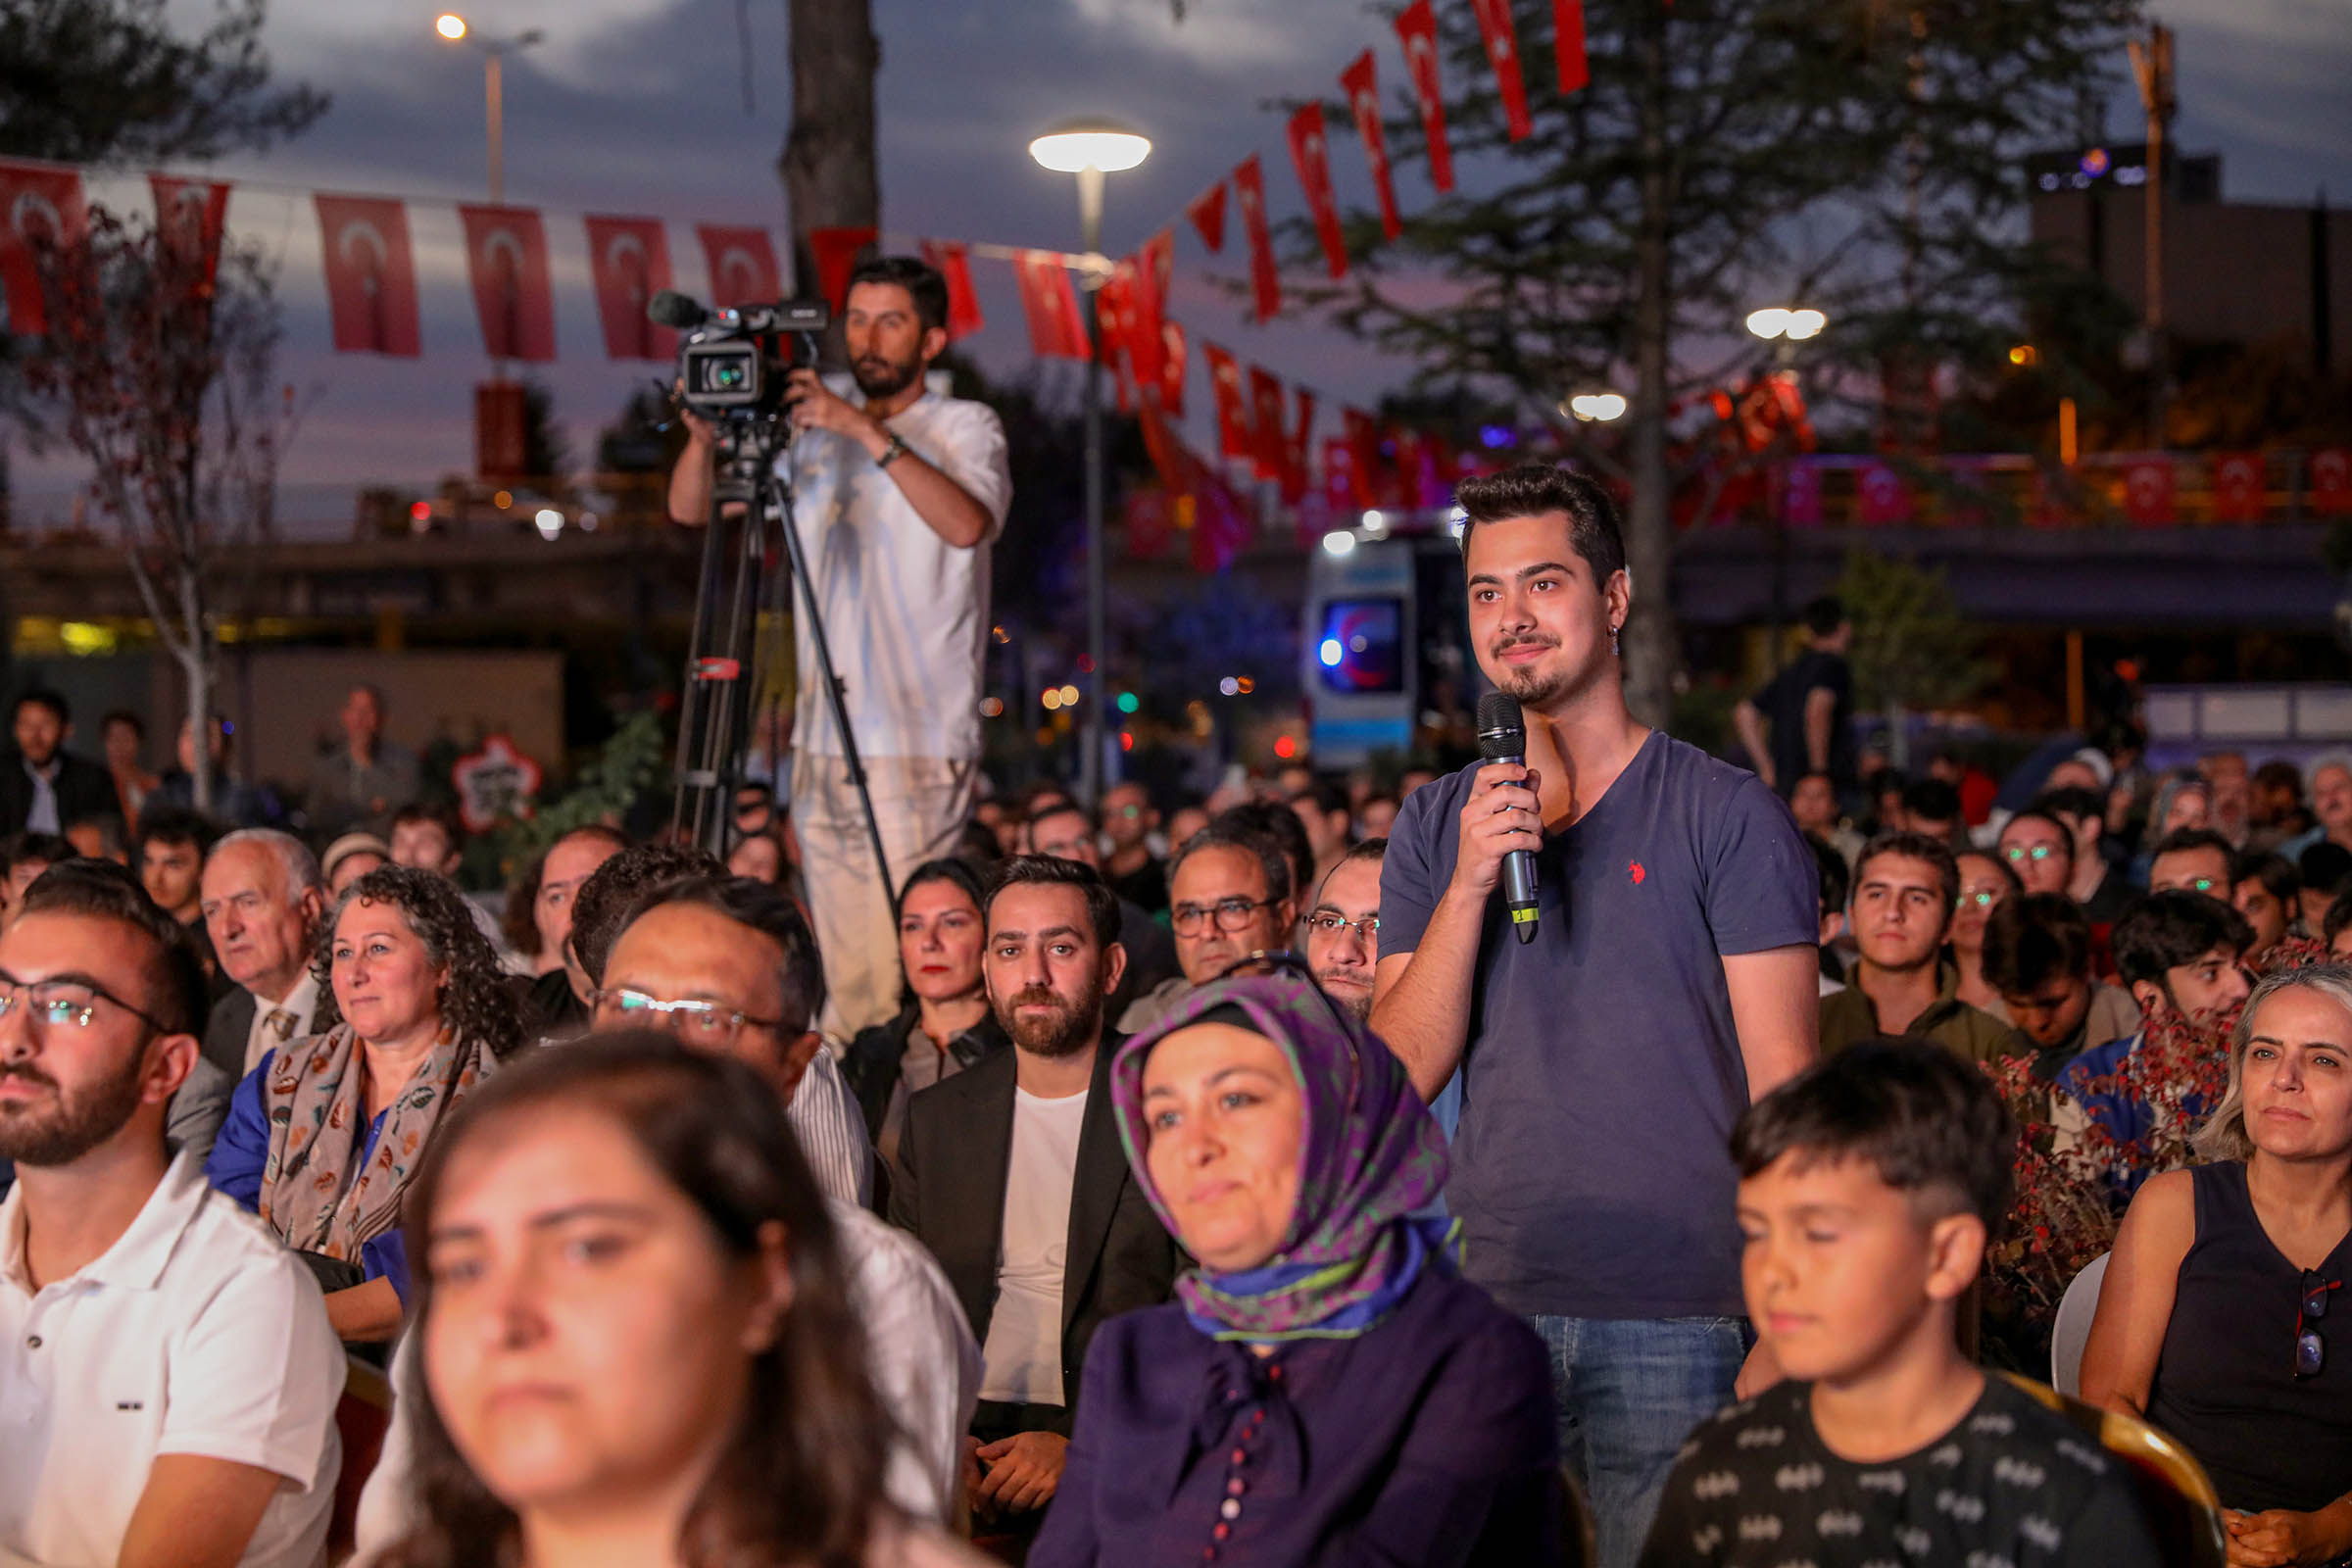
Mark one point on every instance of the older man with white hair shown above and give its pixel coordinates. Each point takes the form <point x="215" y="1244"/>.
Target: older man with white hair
<point x="263" y="899"/>
<point x="2328" y="779"/>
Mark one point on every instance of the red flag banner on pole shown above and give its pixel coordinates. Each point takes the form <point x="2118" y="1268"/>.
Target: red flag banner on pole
<point x="1250" y="191"/>
<point x="1163" y="447"/>
<point x="1363" y="448"/>
<point x="506" y="262"/>
<point x="2148" y="489"/>
<point x="1149" y="273"/>
<point x="2237" y="487"/>
<point x="954" y="262"/>
<point x="835" y="252"/>
<point x="1207" y="212"/>
<point x="743" y="264"/>
<point x="1885" y="496"/>
<point x="1056" y="328"/>
<point x="1311" y="153"/>
<point x="1171" y="368"/>
<point x="1502" y="53"/>
<point x="1268" y="427"/>
<point x="1114" y="317"/>
<point x="1298" y="450"/>
<point x="1361" y="83"/>
<point x="192" y="215"/>
<point x="2327" y="481"/>
<point x="371" y="280"/>
<point x="628" y="258"/>
<point x="1417" y="31"/>
<point x="1233" y="418"/>
<point x="39" y="206"/>
<point x="1568" y="37"/>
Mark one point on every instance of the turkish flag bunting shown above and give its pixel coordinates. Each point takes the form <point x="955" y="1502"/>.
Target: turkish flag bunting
<point x="835" y="252"/>
<point x="1801" y="496"/>
<point x="1171" y="368"/>
<point x="1221" y="522"/>
<point x="1363" y="451"/>
<point x="1296" y="452"/>
<point x="1114" y="323"/>
<point x="371" y="282"/>
<point x="38" y="205"/>
<point x="2330" y="481"/>
<point x="1233" y="418"/>
<point x="1250" y="191"/>
<point x="191" y="215"/>
<point x="1150" y="521"/>
<point x="628" y="258"/>
<point x="2148" y="491"/>
<point x="1147" y="302"/>
<point x="1362" y="85"/>
<point x="954" y="262"/>
<point x="743" y="265"/>
<point x="1885" y="498"/>
<point x="1266" y="423"/>
<point x="2237" y="487"/>
<point x="1417" y="31"/>
<point x="1568" y="37"/>
<point x="506" y="262"/>
<point x="1502" y="53"/>
<point x="1410" y="486"/>
<point x="1167" y="452"/>
<point x="1207" y="212"/>
<point x="1056" y="328"/>
<point x="1312" y="156"/>
<point x="1341" y="487"/>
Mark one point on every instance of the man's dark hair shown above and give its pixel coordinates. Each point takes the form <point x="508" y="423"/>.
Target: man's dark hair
<point x="1534" y="489"/>
<point x="101" y="890"/>
<point x="2280" y="774"/>
<point x="1224" y="832"/>
<point x="2070" y="800"/>
<point x="1825" y="614"/>
<point x="1374" y="850"/>
<point x="1916" y="847"/>
<point x="1932" y="799"/>
<point x="2166" y="930"/>
<point x="1061" y="807"/>
<point x="2338" y="916"/>
<point x="919" y="277"/>
<point x="1031" y="871"/>
<point x="757" y="906"/>
<point x="122" y="716"/>
<point x="44" y="696"/>
<point x="175" y="826"/>
<point x="601" y="903"/>
<point x="2181" y="840"/>
<point x="1278" y="822"/>
<point x="1836" y="877"/>
<point x="1328" y="795"/>
<point x="2276" y="872"/>
<point x="2033" y="814"/>
<point x="2034" y="940"/>
<point x="962" y="874"/>
<point x="977" y="846"/>
<point x="46" y="848"/>
<point x="2326" y="868"/>
<point x="441" y="816"/>
<point x="1930" y="1124"/>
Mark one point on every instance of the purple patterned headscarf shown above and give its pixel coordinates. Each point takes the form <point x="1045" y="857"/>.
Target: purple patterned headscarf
<point x="1371" y="1160"/>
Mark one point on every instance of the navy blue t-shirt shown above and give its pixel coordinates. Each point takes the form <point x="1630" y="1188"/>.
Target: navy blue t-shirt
<point x="1602" y="1073"/>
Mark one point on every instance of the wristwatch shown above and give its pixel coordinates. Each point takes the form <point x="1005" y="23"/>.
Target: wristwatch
<point x="891" y="453"/>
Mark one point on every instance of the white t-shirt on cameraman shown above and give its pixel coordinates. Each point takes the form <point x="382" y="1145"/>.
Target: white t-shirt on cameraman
<point x="905" y="612"/>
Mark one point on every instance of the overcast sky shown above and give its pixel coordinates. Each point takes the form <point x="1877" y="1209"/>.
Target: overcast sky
<point x="635" y="107"/>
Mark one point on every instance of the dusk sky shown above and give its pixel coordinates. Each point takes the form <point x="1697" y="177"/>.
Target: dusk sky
<point x="635" y="107"/>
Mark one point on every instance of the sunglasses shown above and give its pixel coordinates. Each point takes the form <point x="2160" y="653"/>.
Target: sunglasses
<point x="2310" y="1352"/>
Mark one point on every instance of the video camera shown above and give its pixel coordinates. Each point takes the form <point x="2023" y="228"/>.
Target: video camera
<point x="732" y="363"/>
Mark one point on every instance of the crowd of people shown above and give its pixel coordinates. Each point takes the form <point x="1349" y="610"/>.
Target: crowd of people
<point x="1156" y="1180"/>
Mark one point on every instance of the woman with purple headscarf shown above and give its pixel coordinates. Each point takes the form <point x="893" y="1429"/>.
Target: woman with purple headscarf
<point x="1326" y="1389"/>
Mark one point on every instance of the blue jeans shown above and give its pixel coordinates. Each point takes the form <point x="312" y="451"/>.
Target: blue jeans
<point x="1629" y="1391"/>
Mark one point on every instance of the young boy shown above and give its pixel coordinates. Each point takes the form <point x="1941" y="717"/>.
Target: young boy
<point x="1869" y="1188"/>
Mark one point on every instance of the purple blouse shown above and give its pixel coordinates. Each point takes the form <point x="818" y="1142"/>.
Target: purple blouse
<point x="1428" y="1442"/>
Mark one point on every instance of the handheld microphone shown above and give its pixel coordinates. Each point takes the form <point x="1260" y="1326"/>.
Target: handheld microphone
<point x="677" y="311"/>
<point x="1502" y="738"/>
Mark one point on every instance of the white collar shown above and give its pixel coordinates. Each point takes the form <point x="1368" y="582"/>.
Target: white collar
<point x="138" y="1258"/>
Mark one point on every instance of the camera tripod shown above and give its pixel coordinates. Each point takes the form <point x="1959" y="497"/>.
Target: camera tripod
<point x="710" y="749"/>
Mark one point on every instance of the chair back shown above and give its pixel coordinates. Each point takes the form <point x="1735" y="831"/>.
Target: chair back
<point x="2173" y="1488"/>
<point x="362" y="1417"/>
<point x="2070" y="1331"/>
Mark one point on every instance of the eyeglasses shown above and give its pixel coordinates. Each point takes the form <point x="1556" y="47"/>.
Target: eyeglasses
<point x="2203" y="884"/>
<point x="1232" y="914"/>
<point x="1983" y="901"/>
<point x="64" y="1004"/>
<point x="2034" y="852"/>
<point x="2310" y="1352"/>
<point x="699" y="1022"/>
<point x="1331" y="923"/>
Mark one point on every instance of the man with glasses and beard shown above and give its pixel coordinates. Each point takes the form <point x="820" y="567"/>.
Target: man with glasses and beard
<point x="1012" y="1173"/>
<point x="898" y="496"/>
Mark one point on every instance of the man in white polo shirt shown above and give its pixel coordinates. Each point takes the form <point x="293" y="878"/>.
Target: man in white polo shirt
<point x="168" y="1379"/>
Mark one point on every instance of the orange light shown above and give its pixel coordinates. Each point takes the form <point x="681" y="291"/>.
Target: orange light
<point x="1286" y="748"/>
<point x="2022" y="354"/>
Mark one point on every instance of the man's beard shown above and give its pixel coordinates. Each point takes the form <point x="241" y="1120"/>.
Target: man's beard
<point x="878" y="377"/>
<point x="1537" y="686"/>
<point x="75" y="1124"/>
<point x="1354" y="1000"/>
<point x="1077" y="1021"/>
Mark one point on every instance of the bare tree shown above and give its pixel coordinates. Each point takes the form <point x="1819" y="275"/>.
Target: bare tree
<point x="830" y="172"/>
<point x="159" y="369"/>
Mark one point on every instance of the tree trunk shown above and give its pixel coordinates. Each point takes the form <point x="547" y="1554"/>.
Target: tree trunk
<point x="1652" y="646"/>
<point x="830" y="174"/>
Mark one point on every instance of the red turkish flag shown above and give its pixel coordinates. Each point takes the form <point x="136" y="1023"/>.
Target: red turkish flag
<point x="1207" y="212"/>
<point x="1884" y="498"/>
<point x="371" y="280"/>
<point x="1166" y="451"/>
<point x="1296" y="451"/>
<point x="629" y="260"/>
<point x="1502" y="53"/>
<point x="2237" y="487"/>
<point x="742" y="264"/>
<point x="1266" y="423"/>
<point x="506" y="262"/>
<point x="1114" y="324"/>
<point x="1056" y="328"/>
<point x="1312" y="157"/>
<point x="37" y="206"/>
<point x="1361" y="83"/>
<point x="1568" y="37"/>
<point x="1363" y="451"/>
<point x="1171" y="368"/>
<point x="1222" y="522"/>
<point x="1801" y="496"/>
<point x="954" y="262"/>
<point x="1147" y="302"/>
<point x="835" y="252"/>
<point x="2148" y="491"/>
<point x="1250" y="191"/>
<point x="1233" y="418"/>
<point x="1150" y="522"/>
<point x="1417" y="31"/>
<point x="2329" y="481"/>
<point x="191" y="215"/>
<point x="1341" y="487"/>
<point x="1411" y="471"/>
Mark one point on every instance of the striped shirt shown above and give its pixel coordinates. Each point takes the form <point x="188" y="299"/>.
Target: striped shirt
<point x="825" y="1117"/>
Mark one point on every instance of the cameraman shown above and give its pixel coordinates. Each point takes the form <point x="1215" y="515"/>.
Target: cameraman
<point x="897" y="497"/>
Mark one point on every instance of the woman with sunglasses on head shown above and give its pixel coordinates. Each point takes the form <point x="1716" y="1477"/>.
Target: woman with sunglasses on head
<point x="2227" y="1279"/>
<point x="1326" y="1389"/>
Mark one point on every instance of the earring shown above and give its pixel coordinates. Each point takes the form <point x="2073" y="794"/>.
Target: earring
<point x="1612" y="642"/>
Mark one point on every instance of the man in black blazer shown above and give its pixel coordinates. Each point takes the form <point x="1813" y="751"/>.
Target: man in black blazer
<point x="44" y="788"/>
<point x="1012" y="1173"/>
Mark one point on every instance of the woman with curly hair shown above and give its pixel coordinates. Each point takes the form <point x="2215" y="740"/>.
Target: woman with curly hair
<point x="324" y="1133"/>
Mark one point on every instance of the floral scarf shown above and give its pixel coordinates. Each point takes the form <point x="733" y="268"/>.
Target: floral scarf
<point x="315" y="1100"/>
<point x="1371" y="1160"/>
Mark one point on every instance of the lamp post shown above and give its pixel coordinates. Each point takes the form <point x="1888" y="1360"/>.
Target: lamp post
<point x="1783" y="327"/>
<point x="1090" y="148"/>
<point x="453" y="26"/>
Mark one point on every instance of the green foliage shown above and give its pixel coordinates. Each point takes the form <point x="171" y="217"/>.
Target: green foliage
<point x="1912" y="648"/>
<point x="604" y="790"/>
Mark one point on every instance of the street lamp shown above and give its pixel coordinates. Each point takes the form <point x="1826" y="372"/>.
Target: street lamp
<point x="1090" y="148"/>
<point x="448" y="24"/>
<point x="1599" y="408"/>
<point x="1793" y="323"/>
